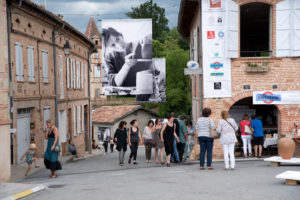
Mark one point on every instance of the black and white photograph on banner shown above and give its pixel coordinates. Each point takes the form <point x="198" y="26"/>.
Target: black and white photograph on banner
<point x="151" y="84"/>
<point x="126" y="50"/>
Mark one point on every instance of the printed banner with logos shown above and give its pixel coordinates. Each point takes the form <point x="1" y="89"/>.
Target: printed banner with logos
<point x="216" y="66"/>
<point x="276" y="97"/>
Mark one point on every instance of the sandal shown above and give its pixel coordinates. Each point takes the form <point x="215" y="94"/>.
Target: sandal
<point x="202" y="168"/>
<point x="210" y="168"/>
<point x="54" y="176"/>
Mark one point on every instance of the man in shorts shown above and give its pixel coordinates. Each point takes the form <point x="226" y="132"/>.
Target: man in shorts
<point x="257" y="127"/>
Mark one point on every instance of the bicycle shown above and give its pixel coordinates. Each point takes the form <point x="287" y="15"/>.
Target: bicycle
<point x="296" y="132"/>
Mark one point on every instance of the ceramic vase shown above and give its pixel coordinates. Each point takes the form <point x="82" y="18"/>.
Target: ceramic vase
<point x="286" y="148"/>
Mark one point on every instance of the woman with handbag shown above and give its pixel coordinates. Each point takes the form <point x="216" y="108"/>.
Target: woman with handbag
<point x="246" y="131"/>
<point x="203" y="126"/>
<point x="227" y="128"/>
<point x="120" y="138"/>
<point x="51" y="155"/>
<point x="134" y="136"/>
<point x="148" y="139"/>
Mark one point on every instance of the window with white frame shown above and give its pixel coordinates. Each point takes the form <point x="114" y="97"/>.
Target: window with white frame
<point x="78" y="119"/>
<point x="86" y="80"/>
<point x="19" y="61"/>
<point x="45" y="66"/>
<point x="30" y="62"/>
<point x="74" y="121"/>
<point x="96" y="72"/>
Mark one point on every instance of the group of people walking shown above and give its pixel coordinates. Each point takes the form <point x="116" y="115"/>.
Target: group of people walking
<point x="170" y="137"/>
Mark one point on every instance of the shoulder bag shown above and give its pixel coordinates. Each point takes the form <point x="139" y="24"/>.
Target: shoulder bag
<point x="248" y="130"/>
<point x="213" y="132"/>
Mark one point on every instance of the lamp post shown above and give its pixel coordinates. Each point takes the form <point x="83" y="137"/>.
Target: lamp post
<point x="67" y="49"/>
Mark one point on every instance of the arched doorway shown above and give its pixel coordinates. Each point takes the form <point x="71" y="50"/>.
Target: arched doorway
<point x="269" y="116"/>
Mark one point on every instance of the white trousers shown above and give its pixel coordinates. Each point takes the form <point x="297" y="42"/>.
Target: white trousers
<point x="247" y="142"/>
<point x="229" y="153"/>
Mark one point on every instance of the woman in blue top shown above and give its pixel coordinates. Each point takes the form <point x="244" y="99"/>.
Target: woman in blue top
<point x="190" y="141"/>
<point x="51" y="157"/>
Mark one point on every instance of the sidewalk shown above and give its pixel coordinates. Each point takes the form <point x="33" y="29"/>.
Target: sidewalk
<point x="16" y="190"/>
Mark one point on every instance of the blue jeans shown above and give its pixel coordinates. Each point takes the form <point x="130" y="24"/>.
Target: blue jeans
<point x="175" y="154"/>
<point x="206" y="146"/>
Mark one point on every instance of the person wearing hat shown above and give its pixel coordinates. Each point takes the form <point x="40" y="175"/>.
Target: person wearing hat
<point x="30" y="157"/>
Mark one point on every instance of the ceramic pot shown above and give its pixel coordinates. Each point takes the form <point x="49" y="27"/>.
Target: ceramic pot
<point x="286" y="148"/>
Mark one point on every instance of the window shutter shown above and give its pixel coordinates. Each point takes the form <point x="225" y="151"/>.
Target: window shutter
<point x="74" y="121"/>
<point x="86" y="80"/>
<point x="17" y="54"/>
<point x="72" y="73"/>
<point x="68" y="74"/>
<point x="78" y="75"/>
<point x="232" y="26"/>
<point x="283" y="10"/>
<point x="82" y="119"/>
<point x="61" y="77"/>
<point x="96" y="72"/>
<point x="78" y="119"/>
<point x="81" y="74"/>
<point x="296" y="29"/>
<point x="45" y="66"/>
<point x="30" y="63"/>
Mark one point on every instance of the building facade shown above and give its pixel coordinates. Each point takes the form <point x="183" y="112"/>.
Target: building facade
<point x="263" y="52"/>
<point x="93" y="34"/>
<point x="46" y="83"/>
<point x="5" y="122"/>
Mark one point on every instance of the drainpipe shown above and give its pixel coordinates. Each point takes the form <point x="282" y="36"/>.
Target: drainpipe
<point x="88" y="139"/>
<point x="55" y="74"/>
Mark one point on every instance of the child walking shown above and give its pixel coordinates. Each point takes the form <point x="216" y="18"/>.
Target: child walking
<point x="30" y="157"/>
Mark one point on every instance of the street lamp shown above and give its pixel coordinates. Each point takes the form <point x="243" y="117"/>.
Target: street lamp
<point x="67" y="49"/>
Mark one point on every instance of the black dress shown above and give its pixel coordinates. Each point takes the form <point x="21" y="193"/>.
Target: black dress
<point x="169" y="139"/>
<point x="121" y="136"/>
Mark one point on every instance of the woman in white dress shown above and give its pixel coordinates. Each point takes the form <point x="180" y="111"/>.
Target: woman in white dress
<point x="227" y="128"/>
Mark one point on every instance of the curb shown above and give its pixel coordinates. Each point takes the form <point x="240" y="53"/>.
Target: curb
<point x="25" y="193"/>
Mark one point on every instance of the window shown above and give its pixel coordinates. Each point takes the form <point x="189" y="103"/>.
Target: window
<point x="78" y="119"/>
<point x="68" y="72"/>
<point x="86" y="80"/>
<point x="19" y="61"/>
<point x="78" y="75"/>
<point x="96" y="72"/>
<point x="61" y="77"/>
<point x="81" y="74"/>
<point x="74" y="121"/>
<point x="45" y="66"/>
<point x="30" y="60"/>
<point x="256" y="26"/>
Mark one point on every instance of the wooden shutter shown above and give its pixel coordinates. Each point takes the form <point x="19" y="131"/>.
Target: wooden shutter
<point x="78" y="119"/>
<point x="232" y="26"/>
<point x="19" y="61"/>
<point x="61" y="77"/>
<point x="86" y="80"/>
<point x="296" y="29"/>
<point x="81" y="75"/>
<point x="45" y="66"/>
<point x="82" y="119"/>
<point x="30" y="62"/>
<point x="78" y="75"/>
<point x="68" y="74"/>
<point x="74" y="121"/>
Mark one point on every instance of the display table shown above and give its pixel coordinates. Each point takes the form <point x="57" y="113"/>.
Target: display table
<point x="277" y="160"/>
<point x="290" y="177"/>
<point x="270" y="142"/>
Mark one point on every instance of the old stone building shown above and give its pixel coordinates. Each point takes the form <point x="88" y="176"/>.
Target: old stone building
<point x="93" y="34"/>
<point x="259" y="42"/>
<point x="46" y="82"/>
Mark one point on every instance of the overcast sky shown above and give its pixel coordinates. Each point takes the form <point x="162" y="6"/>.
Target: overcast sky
<point x="78" y="12"/>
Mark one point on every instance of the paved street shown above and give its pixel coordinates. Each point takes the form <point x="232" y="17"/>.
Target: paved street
<point x="102" y="178"/>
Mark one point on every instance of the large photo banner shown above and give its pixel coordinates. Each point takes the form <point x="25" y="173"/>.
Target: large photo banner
<point x="126" y="51"/>
<point x="216" y="66"/>
<point x="151" y="85"/>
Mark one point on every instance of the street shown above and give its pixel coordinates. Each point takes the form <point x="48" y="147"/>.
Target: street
<point x="103" y="178"/>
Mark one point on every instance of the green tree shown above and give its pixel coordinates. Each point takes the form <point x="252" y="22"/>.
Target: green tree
<point x="151" y="10"/>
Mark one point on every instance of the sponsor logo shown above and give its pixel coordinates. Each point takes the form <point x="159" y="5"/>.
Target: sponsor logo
<point x="268" y="97"/>
<point x="215" y="3"/>
<point x="216" y="65"/>
<point x="217" y="85"/>
<point x="211" y="35"/>
<point x="216" y="55"/>
<point x="220" y="20"/>
<point x="221" y="34"/>
<point x="217" y="74"/>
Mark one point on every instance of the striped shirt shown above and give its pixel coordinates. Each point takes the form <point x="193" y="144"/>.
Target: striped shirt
<point x="203" y="125"/>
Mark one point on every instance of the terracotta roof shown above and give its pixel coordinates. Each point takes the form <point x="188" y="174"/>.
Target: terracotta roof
<point x="110" y="114"/>
<point x="92" y="29"/>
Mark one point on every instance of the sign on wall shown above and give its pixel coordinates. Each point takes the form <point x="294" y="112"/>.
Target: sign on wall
<point x="216" y="66"/>
<point x="274" y="97"/>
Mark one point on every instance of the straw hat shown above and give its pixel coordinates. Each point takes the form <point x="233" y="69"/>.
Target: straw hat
<point x="32" y="146"/>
